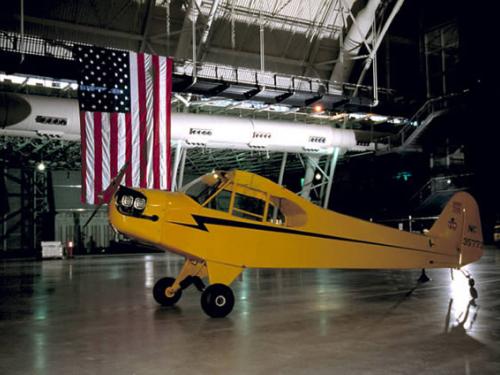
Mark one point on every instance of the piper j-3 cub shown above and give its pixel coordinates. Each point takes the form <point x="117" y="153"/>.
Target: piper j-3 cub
<point x="225" y="222"/>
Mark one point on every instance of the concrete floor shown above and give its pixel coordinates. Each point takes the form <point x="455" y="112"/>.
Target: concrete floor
<point x="96" y="315"/>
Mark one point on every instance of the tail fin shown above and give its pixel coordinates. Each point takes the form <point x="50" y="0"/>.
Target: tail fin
<point x="459" y="228"/>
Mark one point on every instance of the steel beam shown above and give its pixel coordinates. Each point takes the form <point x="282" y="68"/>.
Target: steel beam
<point x="182" y="50"/>
<point x="81" y="28"/>
<point x="145" y="25"/>
<point x="206" y="31"/>
<point x="177" y="161"/>
<point x="269" y="58"/>
<point x="333" y="165"/>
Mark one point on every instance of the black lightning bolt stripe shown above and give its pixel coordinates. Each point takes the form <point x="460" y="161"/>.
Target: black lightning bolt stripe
<point x="202" y="221"/>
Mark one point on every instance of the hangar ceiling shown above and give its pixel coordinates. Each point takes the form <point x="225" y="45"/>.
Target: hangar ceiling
<point x="301" y="37"/>
<point x="291" y="41"/>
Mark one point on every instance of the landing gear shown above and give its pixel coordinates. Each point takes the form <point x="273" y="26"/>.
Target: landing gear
<point x="423" y="277"/>
<point x="217" y="300"/>
<point x="162" y="293"/>
<point x="473" y="291"/>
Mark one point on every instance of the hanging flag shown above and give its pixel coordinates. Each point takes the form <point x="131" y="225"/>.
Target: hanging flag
<point x="124" y="100"/>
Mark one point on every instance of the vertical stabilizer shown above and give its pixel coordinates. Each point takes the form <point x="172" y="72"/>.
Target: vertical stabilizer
<point x="459" y="228"/>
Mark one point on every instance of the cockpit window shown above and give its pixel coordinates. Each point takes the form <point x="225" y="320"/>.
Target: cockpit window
<point x="203" y="187"/>
<point x="248" y="207"/>
<point x="274" y="214"/>
<point x="221" y="201"/>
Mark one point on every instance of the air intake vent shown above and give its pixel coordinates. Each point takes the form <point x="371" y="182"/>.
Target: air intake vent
<point x="363" y="143"/>
<point x="196" y="144"/>
<point x="310" y="149"/>
<point x="317" y="139"/>
<point x="195" y="131"/>
<point x="51" y="120"/>
<point x="261" y="135"/>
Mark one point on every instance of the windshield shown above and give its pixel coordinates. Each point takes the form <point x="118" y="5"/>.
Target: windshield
<point x="203" y="187"/>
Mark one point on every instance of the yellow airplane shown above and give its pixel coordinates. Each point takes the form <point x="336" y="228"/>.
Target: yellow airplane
<point x="225" y="222"/>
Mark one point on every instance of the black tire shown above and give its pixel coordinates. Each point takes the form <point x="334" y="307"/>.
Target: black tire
<point x="159" y="292"/>
<point x="217" y="300"/>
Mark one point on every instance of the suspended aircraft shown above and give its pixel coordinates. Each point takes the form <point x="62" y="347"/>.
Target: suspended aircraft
<point x="227" y="221"/>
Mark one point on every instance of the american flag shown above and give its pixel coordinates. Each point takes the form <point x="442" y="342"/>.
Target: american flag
<point x="124" y="100"/>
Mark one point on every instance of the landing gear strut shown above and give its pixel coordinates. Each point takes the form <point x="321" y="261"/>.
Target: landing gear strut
<point x="217" y="300"/>
<point x="423" y="277"/>
<point x="167" y="291"/>
<point x="473" y="292"/>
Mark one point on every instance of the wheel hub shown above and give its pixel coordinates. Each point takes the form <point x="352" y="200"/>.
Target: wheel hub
<point x="169" y="292"/>
<point x="220" y="301"/>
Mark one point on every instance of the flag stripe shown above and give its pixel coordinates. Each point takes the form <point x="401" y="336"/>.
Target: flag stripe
<point x="83" y="146"/>
<point x="148" y="67"/>
<point x="113" y="143"/>
<point x="168" y="140"/>
<point x="156" y="123"/>
<point x="97" y="155"/>
<point x="89" y="156"/>
<point x="121" y="141"/>
<point x="106" y="157"/>
<point x="134" y="121"/>
<point x="128" y="149"/>
<point x="162" y="93"/>
<point x="142" y="119"/>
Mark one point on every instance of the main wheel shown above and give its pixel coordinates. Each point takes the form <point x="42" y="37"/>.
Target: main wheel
<point x="217" y="300"/>
<point x="160" y="289"/>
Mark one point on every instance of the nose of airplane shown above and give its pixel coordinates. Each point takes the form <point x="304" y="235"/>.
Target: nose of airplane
<point x="131" y="202"/>
<point x="135" y="214"/>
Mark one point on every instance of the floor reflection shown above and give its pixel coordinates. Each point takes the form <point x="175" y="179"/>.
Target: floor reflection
<point x="464" y="320"/>
<point x="76" y="316"/>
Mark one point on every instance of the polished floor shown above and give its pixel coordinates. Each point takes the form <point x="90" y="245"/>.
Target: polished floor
<point x="96" y="315"/>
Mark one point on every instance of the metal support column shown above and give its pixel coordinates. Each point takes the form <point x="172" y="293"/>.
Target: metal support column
<point x="167" y="25"/>
<point x="333" y="165"/>
<point x="182" y="166"/>
<point x="40" y="205"/>
<point x="282" y="168"/>
<point x="177" y="161"/>
<point x="324" y="185"/>
<point x="194" y="43"/>
<point x="261" y="32"/>
<point x="311" y="163"/>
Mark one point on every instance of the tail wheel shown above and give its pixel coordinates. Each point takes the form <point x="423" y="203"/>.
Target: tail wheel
<point x="160" y="292"/>
<point x="217" y="300"/>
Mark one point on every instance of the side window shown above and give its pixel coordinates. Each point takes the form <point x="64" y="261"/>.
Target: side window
<point x="285" y="212"/>
<point x="248" y="207"/>
<point x="221" y="201"/>
<point x="275" y="216"/>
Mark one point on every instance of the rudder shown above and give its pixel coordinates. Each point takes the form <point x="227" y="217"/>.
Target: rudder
<point x="460" y="225"/>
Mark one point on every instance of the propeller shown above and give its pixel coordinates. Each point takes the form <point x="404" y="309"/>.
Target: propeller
<point x="107" y="194"/>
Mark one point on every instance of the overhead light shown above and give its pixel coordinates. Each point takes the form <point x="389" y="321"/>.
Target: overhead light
<point x="318" y="108"/>
<point x="357" y="116"/>
<point x="395" y="120"/>
<point x="279" y="108"/>
<point x="338" y="116"/>
<point x="38" y="81"/>
<point x="41" y="166"/>
<point x="377" y="118"/>
<point x="317" y="176"/>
